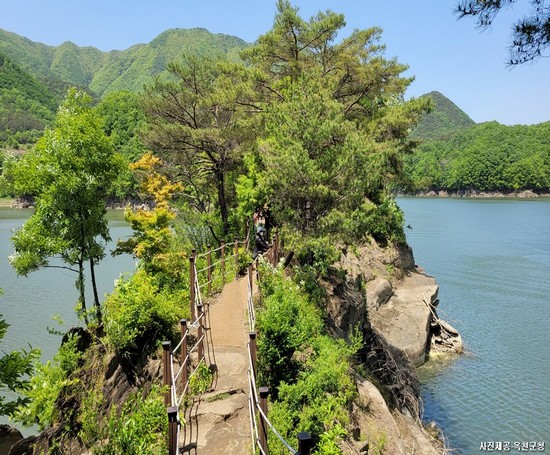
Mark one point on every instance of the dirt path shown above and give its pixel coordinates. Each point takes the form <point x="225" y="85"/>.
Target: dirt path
<point x="219" y="423"/>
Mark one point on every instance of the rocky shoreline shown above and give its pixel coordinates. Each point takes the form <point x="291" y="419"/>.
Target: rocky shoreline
<point x="524" y="194"/>
<point x="388" y="298"/>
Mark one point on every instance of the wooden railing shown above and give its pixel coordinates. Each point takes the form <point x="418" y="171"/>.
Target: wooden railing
<point x="260" y="425"/>
<point x="201" y="283"/>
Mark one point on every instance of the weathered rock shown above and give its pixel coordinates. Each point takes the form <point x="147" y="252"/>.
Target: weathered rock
<point x="8" y="437"/>
<point x="444" y="337"/>
<point x="379" y="430"/>
<point x="53" y="438"/>
<point x="379" y="292"/>
<point x="23" y="446"/>
<point x="405" y="320"/>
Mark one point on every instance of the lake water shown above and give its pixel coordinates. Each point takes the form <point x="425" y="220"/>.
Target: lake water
<point x="491" y="259"/>
<point x="28" y="303"/>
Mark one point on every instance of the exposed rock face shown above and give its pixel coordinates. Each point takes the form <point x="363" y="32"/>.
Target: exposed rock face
<point x="8" y="437"/>
<point x="23" y="446"/>
<point x="392" y="302"/>
<point x="379" y="430"/>
<point x="379" y="291"/>
<point x="405" y="320"/>
<point x="399" y="301"/>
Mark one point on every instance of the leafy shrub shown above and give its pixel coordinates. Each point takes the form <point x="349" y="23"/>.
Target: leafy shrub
<point x="15" y="367"/>
<point x="139" y="428"/>
<point x="47" y="384"/>
<point x="201" y="380"/>
<point x="286" y="322"/>
<point x="317" y="402"/>
<point x="138" y="312"/>
<point x="308" y="372"/>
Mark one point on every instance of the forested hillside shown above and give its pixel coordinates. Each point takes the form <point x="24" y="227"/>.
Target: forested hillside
<point x="26" y="105"/>
<point x="445" y="119"/>
<point x="485" y="157"/>
<point x="35" y="77"/>
<point x="103" y="72"/>
<point x="455" y="153"/>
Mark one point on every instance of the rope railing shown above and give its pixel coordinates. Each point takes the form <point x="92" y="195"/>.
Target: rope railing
<point x="257" y="400"/>
<point x="173" y="373"/>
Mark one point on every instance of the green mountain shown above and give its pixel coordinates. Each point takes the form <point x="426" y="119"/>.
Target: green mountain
<point x="104" y="72"/>
<point x="445" y="119"/>
<point x="26" y="105"/>
<point x="486" y="157"/>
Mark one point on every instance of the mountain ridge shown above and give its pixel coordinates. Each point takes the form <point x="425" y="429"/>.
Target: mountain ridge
<point x="446" y="118"/>
<point x="102" y="72"/>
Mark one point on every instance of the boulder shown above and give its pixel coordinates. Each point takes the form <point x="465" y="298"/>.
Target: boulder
<point x="23" y="446"/>
<point x="379" y="292"/>
<point x="379" y="430"/>
<point x="8" y="437"/>
<point x="404" y="321"/>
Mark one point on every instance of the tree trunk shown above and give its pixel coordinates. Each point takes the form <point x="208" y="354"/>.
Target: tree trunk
<point x="81" y="289"/>
<point x="94" y="287"/>
<point x="220" y="182"/>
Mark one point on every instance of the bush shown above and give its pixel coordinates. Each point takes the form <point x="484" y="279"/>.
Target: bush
<point x="138" y="314"/>
<point x="139" y="428"/>
<point x="286" y="323"/>
<point x="46" y="385"/>
<point x="308" y="372"/>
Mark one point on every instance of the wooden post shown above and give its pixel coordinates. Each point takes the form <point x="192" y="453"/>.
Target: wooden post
<point x="192" y="284"/>
<point x="200" y="332"/>
<point x="274" y="251"/>
<point x="183" y="352"/>
<point x="166" y="372"/>
<point x="253" y="350"/>
<point x="276" y="248"/>
<point x="236" y="258"/>
<point x="209" y="269"/>
<point x="223" y="261"/>
<point x="172" y="430"/>
<point x="264" y="392"/>
<point x="305" y="443"/>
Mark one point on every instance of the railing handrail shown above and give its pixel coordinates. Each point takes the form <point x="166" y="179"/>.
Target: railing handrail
<point x="196" y="303"/>
<point x="259" y="439"/>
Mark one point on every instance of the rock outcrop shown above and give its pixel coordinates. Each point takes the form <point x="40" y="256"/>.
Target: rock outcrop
<point x="392" y="302"/>
<point x="399" y="301"/>
<point x="8" y="437"/>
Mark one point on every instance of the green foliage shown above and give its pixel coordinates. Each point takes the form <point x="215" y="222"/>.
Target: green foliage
<point x="69" y="173"/>
<point x="15" y="369"/>
<point x="201" y="381"/>
<point x="336" y="126"/>
<point x="486" y="157"/>
<point x="138" y="313"/>
<point x="46" y="385"/>
<point x="287" y="321"/>
<point x="328" y="441"/>
<point x="308" y="371"/>
<point x="105" y="72"/>
<point x="200" y="120"/>
<point x="26" y="106"/>
<point x="445" y="118"/>
<point x="122" y="119"/>
<point x="138" y="428"/>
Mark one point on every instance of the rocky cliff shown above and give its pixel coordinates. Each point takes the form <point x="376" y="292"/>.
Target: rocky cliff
<point x="392" y="303"/>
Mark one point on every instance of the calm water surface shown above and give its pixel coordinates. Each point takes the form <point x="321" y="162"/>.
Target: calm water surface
<point x="28" y="303"/>
<point x="491" y="259"/>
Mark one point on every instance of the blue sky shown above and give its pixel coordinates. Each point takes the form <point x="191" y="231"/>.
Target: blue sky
<point x="443" y="53"/>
